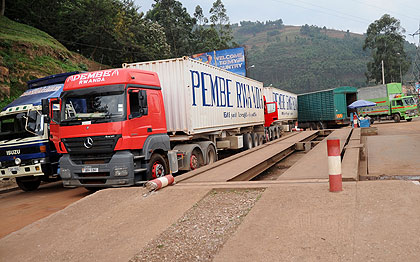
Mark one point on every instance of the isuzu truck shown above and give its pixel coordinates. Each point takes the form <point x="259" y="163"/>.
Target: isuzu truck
<point x="25" y="149"/>
<point x="121" y="127"/>
<point x="391" y="103"/>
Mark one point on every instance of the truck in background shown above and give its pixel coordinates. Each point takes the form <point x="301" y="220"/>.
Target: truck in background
<point x="121" y="127"/>
<point x="326" y="108"/>
<point x="286" y="106"/>
<point x="391" y="103"/>
<point x="26" y="152"/>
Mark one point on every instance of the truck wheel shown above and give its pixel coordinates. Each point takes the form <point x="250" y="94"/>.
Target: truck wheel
<point x="409" y="119"/>
<point x="28" y="184"/>
<point x="211" y="155"/>
<point x="320" y="125"/>
<point x="196" y="159"/>
<point x="396" y="118"/>
<point x="278" y="129"/>
<point x="157" y="167"/>
<point x="260" y="139"/>
<point x="255" y="139"/>
<point x="247" y="141"/>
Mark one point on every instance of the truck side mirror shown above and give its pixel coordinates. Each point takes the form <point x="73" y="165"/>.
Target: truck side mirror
<point x="143" y="102"/>
<point x="45" y="107"/>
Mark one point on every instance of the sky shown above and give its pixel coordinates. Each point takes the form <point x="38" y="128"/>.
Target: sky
<point x="352" y="15"/>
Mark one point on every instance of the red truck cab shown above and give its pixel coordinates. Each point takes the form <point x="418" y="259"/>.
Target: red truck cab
<point x="111" y="126"/>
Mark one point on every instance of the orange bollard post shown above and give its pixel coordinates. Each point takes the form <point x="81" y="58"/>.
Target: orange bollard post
<point x="334" y="165"/>
<point x="160" y="182"/>
<point x="355" y="120"/>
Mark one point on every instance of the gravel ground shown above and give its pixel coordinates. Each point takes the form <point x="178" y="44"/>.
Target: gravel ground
<point x="6" y="184"/>
<point x="202" y="231"/>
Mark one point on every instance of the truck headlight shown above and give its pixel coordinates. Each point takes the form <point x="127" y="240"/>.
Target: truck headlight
<point x="65" y="173"/>
<point x="121" y="171"/>
<point x="18" y="161"/>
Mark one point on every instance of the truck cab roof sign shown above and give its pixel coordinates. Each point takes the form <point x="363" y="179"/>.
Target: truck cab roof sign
<point x="93" y="77"/>
<point x="112" y="77"/>
<point x="34" y="96"/>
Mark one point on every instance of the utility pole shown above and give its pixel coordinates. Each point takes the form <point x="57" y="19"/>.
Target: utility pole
<point x="416" y="65"/>
<point x="383" y="73"/>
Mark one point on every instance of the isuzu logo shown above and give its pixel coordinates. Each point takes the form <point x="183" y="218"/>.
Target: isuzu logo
<point x="13" y="152"/>
<point x="88" y="143"/>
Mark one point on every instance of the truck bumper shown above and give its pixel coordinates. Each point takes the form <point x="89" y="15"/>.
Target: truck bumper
<point x="19" y="171"/>
<point x="119" y="171"/>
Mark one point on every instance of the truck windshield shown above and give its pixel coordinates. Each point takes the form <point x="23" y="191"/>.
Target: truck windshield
<point x="409" y="101"/>
<point x="13" y="127"/>
<point x="93" y="106"/>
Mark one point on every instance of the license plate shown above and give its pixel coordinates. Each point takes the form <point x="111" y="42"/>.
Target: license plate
<point x="89" y="169"/>
<point x="14" y="169"/>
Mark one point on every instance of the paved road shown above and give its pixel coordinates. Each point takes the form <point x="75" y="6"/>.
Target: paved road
<point x="19" y="208"/>
<point x="394" y="151"/>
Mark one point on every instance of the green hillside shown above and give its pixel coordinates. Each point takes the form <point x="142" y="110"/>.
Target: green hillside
<point x="303" y="59"/>
<point x="27" y="53"/>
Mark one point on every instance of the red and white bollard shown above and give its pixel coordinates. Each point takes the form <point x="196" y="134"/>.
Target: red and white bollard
<point x="355" y="120"/>
<point x="159" y="182"/>
<point x="334" y="165"/>
<point x="296" y="128"/>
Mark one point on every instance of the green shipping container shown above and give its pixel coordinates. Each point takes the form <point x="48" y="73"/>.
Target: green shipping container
<point x="329" y="106"/>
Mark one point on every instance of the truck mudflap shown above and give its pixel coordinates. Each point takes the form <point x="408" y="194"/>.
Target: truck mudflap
<point x="119" y="171"/>
<point x="19" y="171"/>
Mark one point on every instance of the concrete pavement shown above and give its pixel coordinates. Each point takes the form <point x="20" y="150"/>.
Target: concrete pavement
<point x="368" y="221"/>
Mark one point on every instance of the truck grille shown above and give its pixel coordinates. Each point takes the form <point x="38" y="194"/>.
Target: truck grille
<point x="95" y="145"/>
<point x="89" y="159"/>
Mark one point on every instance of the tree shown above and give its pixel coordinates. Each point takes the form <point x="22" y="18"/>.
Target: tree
<point x="385" y="40"/>
<point x="220" y="20"/>
<point x="177" y="23"/>
<point x="108" y="31"/>
<point x="199" y="16"/>
<point x="3" y="7"/>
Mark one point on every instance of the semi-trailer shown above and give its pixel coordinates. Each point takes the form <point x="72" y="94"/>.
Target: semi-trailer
<point x="120" y="127"/>
<point x="326" y="108"/>
<point x="391" y="103"/>
<point x="286" y="106"/>
<point x="26" y="152"/>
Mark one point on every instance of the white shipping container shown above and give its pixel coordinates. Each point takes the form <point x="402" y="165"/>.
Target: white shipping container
<point x="201" y="98"/>
<point x="286" y="102"/>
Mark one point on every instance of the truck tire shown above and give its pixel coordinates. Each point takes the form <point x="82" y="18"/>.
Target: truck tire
<point x="260" y="139"/>
<point x="278" y="130"/>
<point x="248" y="144"/>
<point x="157" y="167"/>
<point x="409" y="119"/>
<point x="28" y="184"/>
<point x="255" y="139"/>
<point x="396" y="118"/>
<point x="211" y="155"/>
<point x="320" y="125"/>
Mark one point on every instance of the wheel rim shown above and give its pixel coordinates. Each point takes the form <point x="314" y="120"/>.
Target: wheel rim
<point x="194" y="162"/>
<point x="158" y="170"/>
